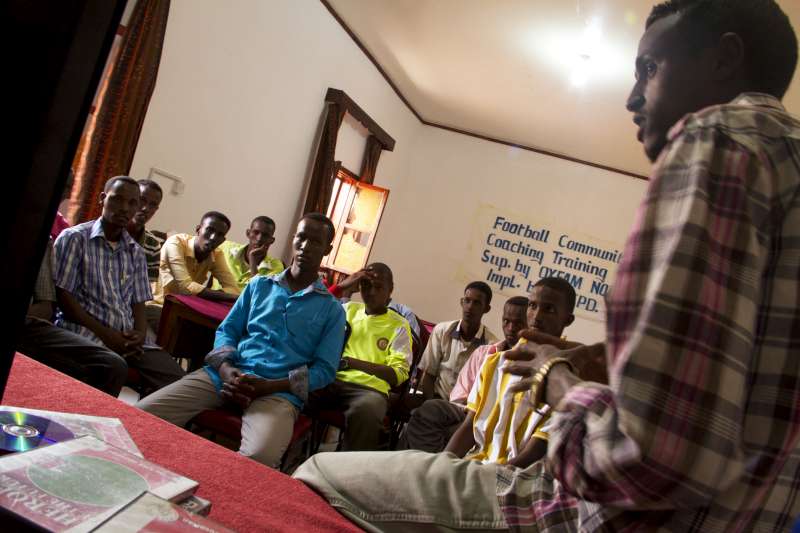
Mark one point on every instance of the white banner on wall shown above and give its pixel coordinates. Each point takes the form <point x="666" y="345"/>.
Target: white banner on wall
<point x="511" y="252"/>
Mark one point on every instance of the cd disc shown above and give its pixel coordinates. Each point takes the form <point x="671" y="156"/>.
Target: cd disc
<point x="20" y="432"/>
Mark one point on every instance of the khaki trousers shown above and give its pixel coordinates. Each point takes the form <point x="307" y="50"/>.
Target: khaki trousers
<point x="267" y="424"/>
<point x="407" y="491"/>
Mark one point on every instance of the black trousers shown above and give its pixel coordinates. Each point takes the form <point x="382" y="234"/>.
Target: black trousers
<point x="92" y="363"/>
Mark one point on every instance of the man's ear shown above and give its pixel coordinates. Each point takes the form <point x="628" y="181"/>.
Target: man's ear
<point x="570" y="319"/>
<point x="488" y="308"/>
<point x="328" y="249"/>
<point x="272" y="239"/>
<point x="101" y="198"/>
<point x="730" y="57"/>
<point x="197" y="230"/>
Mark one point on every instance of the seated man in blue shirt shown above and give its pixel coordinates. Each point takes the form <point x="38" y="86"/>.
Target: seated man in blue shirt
<point x="282" y="339"/>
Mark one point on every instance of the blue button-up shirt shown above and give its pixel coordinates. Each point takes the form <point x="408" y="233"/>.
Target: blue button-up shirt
<point x="271" y="331"/>
<point x="105" y="278"/>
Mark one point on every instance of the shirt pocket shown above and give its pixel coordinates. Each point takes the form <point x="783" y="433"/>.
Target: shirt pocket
<point x="304" y="324"/>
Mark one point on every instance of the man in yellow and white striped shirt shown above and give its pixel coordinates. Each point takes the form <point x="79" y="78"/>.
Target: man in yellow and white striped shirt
<point x="503" y="426"/>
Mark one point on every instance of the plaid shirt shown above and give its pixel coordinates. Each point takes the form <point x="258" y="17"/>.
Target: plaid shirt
<point x="699" y="428"/>
<point x="106" y="281"/>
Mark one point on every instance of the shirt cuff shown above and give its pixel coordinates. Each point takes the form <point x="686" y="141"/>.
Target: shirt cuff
<point x="298" y="383"/>
<point x="217" y="356"/>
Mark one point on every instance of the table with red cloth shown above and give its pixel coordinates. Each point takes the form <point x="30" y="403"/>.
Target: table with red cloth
<point x="245" y="495"/>
<point x="188" y="325"/>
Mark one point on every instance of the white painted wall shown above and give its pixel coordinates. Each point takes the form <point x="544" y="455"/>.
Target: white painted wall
<point x="429" y="229"/>
<point x="350" y="144"/>
<point x="235" y="113"/>
<point x="238" y="104"/>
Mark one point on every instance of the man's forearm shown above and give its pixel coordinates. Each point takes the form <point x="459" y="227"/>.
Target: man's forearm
<point x="426" y="387"/>
<point x="386" y="373"/>
<point x="139" y="318"/>
<point x="463" y="439"/>
<point x="75" y="313"/>
<point x="220" y="296"/>
<point x="532" y="451"/>
<point x="266" y="387"/>
<point x="559" y="381"/>
<point x="42" y="310"/>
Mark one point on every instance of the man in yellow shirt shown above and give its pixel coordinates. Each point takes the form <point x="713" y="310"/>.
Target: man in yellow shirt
<point x="186" y="261"/>
<point x="376" y="358"/>
<point x="251" y="259"/>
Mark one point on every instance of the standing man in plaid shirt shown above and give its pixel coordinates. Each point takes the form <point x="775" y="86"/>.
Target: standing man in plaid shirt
<point x="698" y="429"/>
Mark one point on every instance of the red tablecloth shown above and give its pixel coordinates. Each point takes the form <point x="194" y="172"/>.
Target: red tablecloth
<point x="216" y="310"/>
<point x="244" y="494"/>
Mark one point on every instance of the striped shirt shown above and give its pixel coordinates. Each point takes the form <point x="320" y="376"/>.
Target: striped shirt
<point x="503" y="421"/>
<point x="106" y="279"/>
<point x="151" y="244"/>
<point x="700" y="426"/>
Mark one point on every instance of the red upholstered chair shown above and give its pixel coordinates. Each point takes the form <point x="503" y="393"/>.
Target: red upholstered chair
<point x="228" y="424"/>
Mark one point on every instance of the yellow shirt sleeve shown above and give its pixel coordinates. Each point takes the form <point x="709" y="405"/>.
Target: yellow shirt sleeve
<point x="400" y="353"/>
<point x="174" y="275"/>
<point x="221" y="273"/>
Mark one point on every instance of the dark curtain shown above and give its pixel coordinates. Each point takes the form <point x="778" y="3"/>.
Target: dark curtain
<point x="372" y="153"/>
<point x="319" y="190"/>
<point x="112" y="132"/>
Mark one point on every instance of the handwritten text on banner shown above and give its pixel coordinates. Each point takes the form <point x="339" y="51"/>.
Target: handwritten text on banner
<point x="511" y="252"/>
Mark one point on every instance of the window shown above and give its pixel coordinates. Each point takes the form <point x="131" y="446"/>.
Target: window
<point x="355" y="209"/>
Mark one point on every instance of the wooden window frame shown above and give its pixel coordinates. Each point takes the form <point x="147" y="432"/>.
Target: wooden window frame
<point x="341" y="224"/>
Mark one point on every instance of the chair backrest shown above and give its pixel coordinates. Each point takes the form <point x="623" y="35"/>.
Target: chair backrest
<point x="418" y="345"/>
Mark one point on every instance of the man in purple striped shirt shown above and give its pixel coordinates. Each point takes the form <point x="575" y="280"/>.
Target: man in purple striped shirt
<point x="699" y="426"/>
<point x="102" y="285"/>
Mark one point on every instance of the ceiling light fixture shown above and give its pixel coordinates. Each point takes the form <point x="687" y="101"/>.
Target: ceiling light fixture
<point x="585" y="54"/>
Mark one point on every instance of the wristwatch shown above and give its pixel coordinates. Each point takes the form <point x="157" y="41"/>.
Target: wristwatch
<point x="344" y="363"/>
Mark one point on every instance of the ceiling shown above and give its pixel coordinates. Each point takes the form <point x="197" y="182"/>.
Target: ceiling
<point x="548" y="74"/>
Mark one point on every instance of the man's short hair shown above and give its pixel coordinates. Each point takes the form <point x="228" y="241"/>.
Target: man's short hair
<point x="119" y="179"/>
<point x="560" y="285"/>
<point x="769" y="40"/>
<point x="322" y="219"/>
<point x="219" y="216"/>
<point x="482" y="287"/>
<point x="264" y="220"/>
<point x="382" y="270"/>
<point x="517" y="301"/>
<point x="150" y="184"/>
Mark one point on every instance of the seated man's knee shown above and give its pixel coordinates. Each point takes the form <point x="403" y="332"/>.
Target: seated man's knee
<point x="266" y="453"/>
<point x="370" y="408"/>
